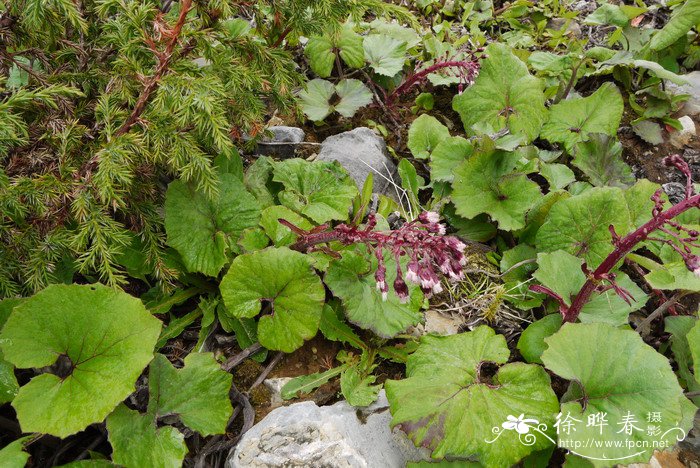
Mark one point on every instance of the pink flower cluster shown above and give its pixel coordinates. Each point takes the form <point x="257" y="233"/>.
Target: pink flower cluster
<point x="422" y="240"/>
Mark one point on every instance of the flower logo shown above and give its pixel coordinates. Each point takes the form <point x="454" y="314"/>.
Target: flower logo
<point x="519" y="424"/>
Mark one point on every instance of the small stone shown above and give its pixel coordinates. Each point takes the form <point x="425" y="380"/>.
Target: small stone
<point x="682" y="137"/>
<point x="306" y="435"/>
<point x="283" y="142"/>
<point x="275" y="386"/>
<point x="361" y="151"/>
<point x="558" y="23"/>
<point x="692" y="105"/>
<point x="441" y="323"/>
<point x="675" y="191"/>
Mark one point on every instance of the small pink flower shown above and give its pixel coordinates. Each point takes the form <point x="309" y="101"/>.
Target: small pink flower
<point x="693" y="264"/>
<point x="412" y="272"/>
<point x="430" y="217"/>
<point x="401" y="289"/>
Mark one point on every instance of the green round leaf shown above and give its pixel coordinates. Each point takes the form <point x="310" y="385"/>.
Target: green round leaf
<point x="136" y="442"/>
<point x="600" y="158"/>
<point x="351" y="278"/>
<point x="487" y="183"/>
<point x="447" y="156"/>
<point x="283" y="278"/>
<point x="320" y="190"/>
<point x="107" y="335"/>
<point x="203" y="229"/>
<point x="198" y="392"/>
<point x="613" y="372"/>
<point x="579" y="225"/>
<point x="504" y="95"/>
<point x="319" y="50"/>
<point x="531" y="343"/>
<point x="424" y="135"/>
<point x="315" y="99"/>
<point x="448" y="405"/>
<point x="384" y="54"/>
<point x="353" y="94"/>
<point x="573" y="120"/>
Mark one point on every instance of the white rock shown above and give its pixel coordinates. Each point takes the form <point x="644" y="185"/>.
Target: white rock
<point x="362" y="151"/>
<point x="682" y="137"/>
<point x="692" y="105"/>
<point x="442" y="323"/>
<point x="275" y="386"/>
<point x="306" y="435"/>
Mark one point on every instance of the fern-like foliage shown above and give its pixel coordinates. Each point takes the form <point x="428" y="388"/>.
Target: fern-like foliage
<point x="102" y="102"/>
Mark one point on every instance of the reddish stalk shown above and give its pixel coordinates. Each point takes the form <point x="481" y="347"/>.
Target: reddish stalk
<point x="625" y="245"/>
<point x="468" y="70"/>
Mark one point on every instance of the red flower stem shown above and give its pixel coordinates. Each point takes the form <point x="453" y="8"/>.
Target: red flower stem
<point x="421" y="75"/>
<point x="622" y="248"/>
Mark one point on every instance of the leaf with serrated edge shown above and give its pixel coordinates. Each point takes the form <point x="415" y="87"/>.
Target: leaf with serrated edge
<point x="579" y="225"/>
<point x="285" y="279"/>
<point x="573" y="120"/>
<point x="358" y="390"/>
<point x="424" y="135"/>
<point x="278" y="232"/>
<point x="353" y="95"/>
<point x="447" y="156"/>
<point x="315" y="99"/>
<point x="384" y="54"/>
<point x="504" y="95"/>
<point x="321" y="190"/>
<point x="600" y="158"/>
<point x="108" y="336"/>
<point x="487" y="183"/>
<point x="136" y="442"/>
<point x="200" y="229"/>
<point x="683" y="19"/>
<point x="447" y="406"/>
<point x="335" y="329"/>
<point x="198" y="392"/>
<point x="614" y="372"/>
<point x="351" y="278"/>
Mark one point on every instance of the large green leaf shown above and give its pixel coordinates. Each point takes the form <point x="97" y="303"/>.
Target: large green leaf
<point x="488" y="183"/>
<point x="351" y="278"/>
<point x="447" y="156"/>
<point x="504" y="95"/>
<point x="320" y="190"/>
<point x="685" y="342"/>
<point x="683" y="19"/>
<point x="8" y="382"/>
<point x="137" y="443"/>
<point x="693" y="338"/>
<point x="13" y="455"/>
<point x="613" y="372"/>
<point x="201" y="229"/>
<point x="561" y="272"/>
<point x="104" y="337"/>
<point x="579" y="225"/>
<point x="600" y="158"/>
<point x="321" y="98"/>
<point x="449" y="405"/>
<point x="321" y="50"/>
<point x="573" y="120"/>
<point x="284" y="279"/>
<point x="425" y="134"/>
<point x="198" y="392"/>
<point x="384" y="54"/>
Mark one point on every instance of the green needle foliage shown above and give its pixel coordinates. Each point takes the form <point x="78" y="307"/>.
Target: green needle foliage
<point x="102" y="102"/>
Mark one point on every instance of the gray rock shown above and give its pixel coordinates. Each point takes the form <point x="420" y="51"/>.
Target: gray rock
<point x="692" y="105"/>
<point x="362" y="151"/>
<point x="306" y="435"/>
<point x="275" y="386"/>
<point x="558" y="23"/>
<point x="439" y="323"/>
<point x="283" y="142"/>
